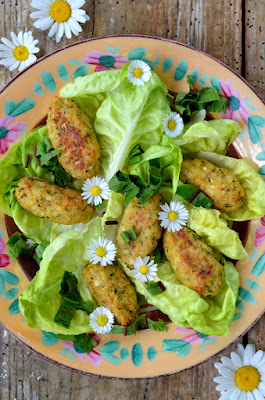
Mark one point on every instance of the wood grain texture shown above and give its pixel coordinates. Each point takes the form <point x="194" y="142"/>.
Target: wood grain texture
<point x="231" y="30"/>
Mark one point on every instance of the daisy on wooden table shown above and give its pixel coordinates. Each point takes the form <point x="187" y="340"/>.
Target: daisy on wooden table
<point x="242" y="375"/>
<point x="20" y="52"/>
<point x="61" y="16"/>
<point x="101" y="320"/>
<point x="101" y="251"/>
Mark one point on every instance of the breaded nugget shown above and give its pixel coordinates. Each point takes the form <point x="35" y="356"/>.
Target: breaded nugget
<point x="193" y="262"/>
<point x="220" y="185"/>
<point x="111" y="288"/>
<point x="53" y="203"/>
<point x="71" y="132"/>
<point x="143" y="218"/>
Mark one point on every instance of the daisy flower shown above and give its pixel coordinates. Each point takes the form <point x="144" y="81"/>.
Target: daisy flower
<point x="173" y="216"/>
<point x="101" y="251"/>
<point x="139" y="72"/>
<point x="101" y="320"/>
<point x="173" y="125"/>
<point x="95" y="190"/>
<point x="20" y="52"/>
<point x="62" y="17"/>
<point x="242" y="375"/>
<point x="144" y="269"/>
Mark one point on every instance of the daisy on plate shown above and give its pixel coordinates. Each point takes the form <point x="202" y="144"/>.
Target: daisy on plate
<point x="173" y="124"/>
<point x="20" y="52"/>
<point x="101" y="320"/>
<point x="62" y="17"/>
<point x="242" y="375"/>
<point x="101" y="251"/>
<point x="95" y="190"/>
<point x="173" y="216"/>
<point x="144" y="269"/>
<point x="139" y="72"/>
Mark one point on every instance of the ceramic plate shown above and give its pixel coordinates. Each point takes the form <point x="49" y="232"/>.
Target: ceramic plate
<point x="24" y="103"/>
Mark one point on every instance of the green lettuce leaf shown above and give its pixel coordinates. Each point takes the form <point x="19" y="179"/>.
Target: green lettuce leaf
<point x="211" y="316"/>
<point x="170" y="161"/>
<point x="251" y="181"/>
<point x="127" y="117"/>
<point x="215" y="136"/>
<point x="40" y="301"/>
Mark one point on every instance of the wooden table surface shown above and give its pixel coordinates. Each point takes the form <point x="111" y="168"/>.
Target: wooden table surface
<point x="234" y="32"/>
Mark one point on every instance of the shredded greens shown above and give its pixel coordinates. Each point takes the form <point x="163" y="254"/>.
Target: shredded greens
<point x="142" y="322"/>
<point x="83" y="341"/>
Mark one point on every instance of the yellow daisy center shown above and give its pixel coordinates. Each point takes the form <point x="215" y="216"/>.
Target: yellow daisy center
<point x="102" y="320"/>
<point x="247" y="378"/>
<point x="21" y="53"/>
<point x="172" y="216"/>
<point x="95" y="191"/>
<point x="60" y="11"/>
<point x="144" y="269"/>
<point x="171" y="125"/>
<point x="101" y="252"/>
<point x="137" y="72"/>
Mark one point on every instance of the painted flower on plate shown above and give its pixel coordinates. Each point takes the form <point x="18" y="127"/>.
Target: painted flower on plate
<point x="242" y="375"/>
<point x="94" y="357"/>
<point x="235" y="103"/>
<point x="62" y="17"/>
<point x="20" y="52"/>
<point x="104" y="61"/>
<point x="260" y="233"/>
<point x="4" y="258"/>
<point x="8" y="132"/>
<point x="193" y="336"/>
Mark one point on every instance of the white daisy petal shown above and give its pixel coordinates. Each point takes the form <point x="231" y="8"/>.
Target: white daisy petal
<point x="262" y="388"/>
<point x="243" y="395"/>
<point x="101" y="320"/>
<point x="257" y="395"/>
<point x="144" y="269"/>
<point x="53" y="29"/>
<point x="228" y="363"/>
<point x="256" y="358"/>
<point x="139" y="72"/>
<point x="173" y="216"/>
<point x="8" y="43"/>
<point x="249" y="353"/>
<point x="250" y="396"/>
<point x="236" y="394"/>
<point x="67" y="30"/>
<point x="236" y="360"/>
<point x="173" y="125"/>
<point x="101" y="251"/>
<point x="14" y="65"/>
<point x="95" y="190"/>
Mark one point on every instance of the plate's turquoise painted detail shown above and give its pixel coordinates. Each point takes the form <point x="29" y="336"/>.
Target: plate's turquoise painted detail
<point x="181" y="70"/>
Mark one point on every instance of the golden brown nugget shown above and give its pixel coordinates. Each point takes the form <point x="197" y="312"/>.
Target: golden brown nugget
<point x="193" y="262"/>
<point x="143" y="218"/>
<point x="53" y="203"/>
<point x="111" y="288"/>
<point x="71" y="132"/>
<point x="220" y="185"/>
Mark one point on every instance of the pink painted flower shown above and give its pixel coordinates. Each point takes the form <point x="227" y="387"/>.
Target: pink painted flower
<point x="4" y="258"/>
<point x="94" y="357"/>
<point x="104" y="61"/>
<point x="193" y="336"/>
<point x="9" y="134"/>
<point x="235" y="103"/>
<point x="260" y="233"/>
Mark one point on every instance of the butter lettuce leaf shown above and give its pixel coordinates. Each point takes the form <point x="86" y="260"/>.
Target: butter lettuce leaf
<point x="215" y="136"/>
<point x="211" y="316"/>
<point x="251" y="181"/>
<point x="40" y="301"/>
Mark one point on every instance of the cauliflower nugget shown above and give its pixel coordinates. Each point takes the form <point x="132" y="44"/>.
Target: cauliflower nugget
<point x="220" y="185"/>
<point x="143" y="218"/>
<point x="111" y="288"/>
<point x="71" y="132"/>
<point x="53" y="203"/>
<point x="193" y="262"/>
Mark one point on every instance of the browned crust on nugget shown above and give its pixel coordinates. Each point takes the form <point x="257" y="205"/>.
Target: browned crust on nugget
<point x="193" y="262"/>
<point x="53" y="203"/>
<point x="111" y="288"/>
<point x="70" y="131"/>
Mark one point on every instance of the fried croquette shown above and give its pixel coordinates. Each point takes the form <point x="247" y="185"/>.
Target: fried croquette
<point x="70" y="131"/>
<point x="111" y="288"/>
<point x="53" y="203"/>
<point x="193" y="261"/>
<point x="220" y="185"/>
<point x="143" y="218"/>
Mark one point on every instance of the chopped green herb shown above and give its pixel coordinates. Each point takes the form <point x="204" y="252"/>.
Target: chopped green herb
<point x="136" y="150"/>
<point x="159" y="254"/>
<point x="125" y="237"/>
<point x="101" y="205"/>
<point x="202" y="201"/>
<point x="132" y="234"/>
<point x="13" y="239"/>
<point x="186" y="191"/>
<point x="87" y="306"/>
<point x="141" y="323"/>
<point x="46" y="157"/>
<point x="17" y="249"/>
<point x="154" y="289"/>
<point x="39" y="251"/>
<point x="66" y="312"/>
<point x="135" y="160"/>
<point x="82" y="341"/>
<point x="159" y="325"/>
